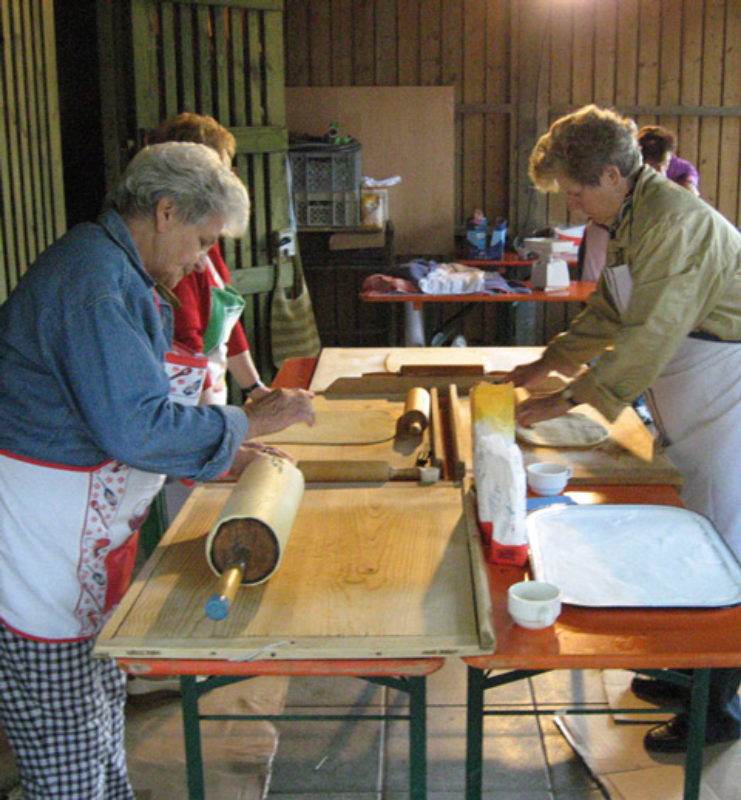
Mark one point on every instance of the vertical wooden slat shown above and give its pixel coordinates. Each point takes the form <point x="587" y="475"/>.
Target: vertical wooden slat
<point x="146" y="73"/>
<point x="25" y="218"/>
<point x="430" y="23"/>
<point x="187" y="58"/>
<point x="561" y="58"/>
<point x="222" y="110"/>
<point x="729" y="189"/>
<point x="33" y="144"/>
<point x="296" y="24"/>
<point x="342" y="43"/>
<point x="385" y="44"/>
<point x="712" y="81"/>
<point x="689" y="127"/>
<point x="605" y="51"/>
<point x="169" y="53"/>
<point x="364" y="43"/>
<point x="8" y="249"/>
<point x="648" y="57"/>
<point x="409" y="43"/>
<point x="582" y="65"/>
<point x="320" y="38"/>
<point x="260" y="225"/>
<point x="627" y="53"/>
<point x="497" y="82"/>
<point x="474" y="60"/>
<point x="53" y="154"/>
<point x="205" y="61"/>
<point x="451" y="45"/>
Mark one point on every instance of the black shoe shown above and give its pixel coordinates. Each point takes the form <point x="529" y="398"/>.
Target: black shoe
<point x="660" y="693"/>
<point x="671" y="737"/>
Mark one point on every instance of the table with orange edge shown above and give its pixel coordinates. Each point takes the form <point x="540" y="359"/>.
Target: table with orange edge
<point x="644" y="640"/>
<point x="575" y="292"/>
<point x="407" y="675"/>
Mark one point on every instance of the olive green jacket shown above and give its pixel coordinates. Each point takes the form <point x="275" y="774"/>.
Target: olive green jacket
<point x="684" y="260"/>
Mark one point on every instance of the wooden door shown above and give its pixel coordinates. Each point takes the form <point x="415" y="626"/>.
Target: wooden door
<point x="224" y="59"/>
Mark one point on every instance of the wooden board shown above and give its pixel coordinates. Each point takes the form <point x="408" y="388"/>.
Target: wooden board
<point x="628" y="456"/>
<point x="351" y="429"/>
<point x="367" y="572"/>
<point x="353" y="362"/>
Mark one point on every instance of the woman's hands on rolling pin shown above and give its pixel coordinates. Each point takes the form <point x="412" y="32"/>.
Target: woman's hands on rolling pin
<point x="278" y="410"/>
<point x="248" y="452"/>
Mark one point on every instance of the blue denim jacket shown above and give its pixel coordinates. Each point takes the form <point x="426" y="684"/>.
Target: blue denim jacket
<point x="82" y="344"/>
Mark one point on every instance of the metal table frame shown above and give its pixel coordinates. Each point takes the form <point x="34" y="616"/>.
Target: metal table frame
<point x="415" y="686"/>
<point x="480" y="680"/>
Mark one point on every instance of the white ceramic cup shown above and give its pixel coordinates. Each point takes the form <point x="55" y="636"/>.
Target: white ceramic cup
<point x="534" y="604"/>
<point x="547" y="478"/>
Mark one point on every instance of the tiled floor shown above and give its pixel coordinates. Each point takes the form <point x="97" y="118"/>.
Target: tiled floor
<point x="526" y="758"/>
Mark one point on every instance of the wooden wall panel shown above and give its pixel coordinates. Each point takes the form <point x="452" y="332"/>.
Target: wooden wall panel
<point x="672" y="62"/>
<point x="32" y="211"/>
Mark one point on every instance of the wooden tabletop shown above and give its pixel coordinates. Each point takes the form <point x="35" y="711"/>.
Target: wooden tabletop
<point x="597" y="638"/>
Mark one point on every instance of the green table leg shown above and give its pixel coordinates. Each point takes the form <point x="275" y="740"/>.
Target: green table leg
<point x="192" y="735"/>
<point x="474" y="732"/>
<point x="417" y="738"/>
<point x="696" y="734"/>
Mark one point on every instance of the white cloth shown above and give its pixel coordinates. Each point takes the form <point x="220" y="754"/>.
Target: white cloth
<point x="697" y="406"/>
<point x="453" y="279"/>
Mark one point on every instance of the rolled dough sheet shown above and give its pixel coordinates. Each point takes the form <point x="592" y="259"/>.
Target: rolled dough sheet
<point x="570" y="430"/>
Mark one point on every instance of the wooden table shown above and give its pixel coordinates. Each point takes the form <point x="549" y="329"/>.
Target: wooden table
<point x="588" y="638"/>
<point x="577" y="292"/>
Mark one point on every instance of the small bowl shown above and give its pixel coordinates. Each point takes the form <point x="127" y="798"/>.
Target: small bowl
<point x="548" y="478"/>
<point x="534" y="604"/>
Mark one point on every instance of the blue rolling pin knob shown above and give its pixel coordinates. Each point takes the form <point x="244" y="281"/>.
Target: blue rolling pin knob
<point x="217" y="607"/>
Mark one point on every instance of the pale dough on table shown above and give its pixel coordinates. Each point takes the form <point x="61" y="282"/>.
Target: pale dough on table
<point x="570" y="430"/>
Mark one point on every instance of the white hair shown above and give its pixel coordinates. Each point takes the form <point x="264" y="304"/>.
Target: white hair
<point x="192" y="176"/>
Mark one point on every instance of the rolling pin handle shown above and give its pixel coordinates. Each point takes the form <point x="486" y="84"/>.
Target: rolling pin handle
<point x="217" y="607"/>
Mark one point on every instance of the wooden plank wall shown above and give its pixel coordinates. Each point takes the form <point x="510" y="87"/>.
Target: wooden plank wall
<point x="518" y="64"/>
<point x="32" y="212"/>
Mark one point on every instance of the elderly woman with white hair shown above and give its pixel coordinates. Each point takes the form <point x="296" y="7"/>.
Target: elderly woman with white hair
<point x="664" y="320"/>
<point x="95" y="410"/>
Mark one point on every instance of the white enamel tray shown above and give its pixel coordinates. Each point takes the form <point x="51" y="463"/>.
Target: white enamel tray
<point x="633" y="555"/>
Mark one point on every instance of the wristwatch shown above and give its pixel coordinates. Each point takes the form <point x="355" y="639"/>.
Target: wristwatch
<point x="568" y="394"/>
<point x="249" y="389"/>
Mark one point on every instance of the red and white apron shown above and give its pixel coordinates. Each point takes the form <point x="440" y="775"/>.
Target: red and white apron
<point x="69" y="534"/>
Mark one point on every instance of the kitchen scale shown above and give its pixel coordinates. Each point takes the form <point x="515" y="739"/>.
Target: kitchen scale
<point x="549" y="271"/>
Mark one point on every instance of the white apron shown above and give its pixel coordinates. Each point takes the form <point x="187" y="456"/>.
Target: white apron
<point x="696" y="404"/>
<point x="68" y="535"/>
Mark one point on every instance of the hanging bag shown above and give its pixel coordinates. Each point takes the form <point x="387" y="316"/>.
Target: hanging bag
<point x="293" y="331"/>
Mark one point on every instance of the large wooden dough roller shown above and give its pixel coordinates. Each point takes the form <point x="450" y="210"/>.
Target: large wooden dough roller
<point x="416" y="415"/>
<point x="247" y="542"/>
<point x="369" y="471"/>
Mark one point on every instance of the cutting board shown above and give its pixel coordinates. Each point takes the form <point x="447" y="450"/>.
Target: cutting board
<point x="351" y="429"/>
<point x="395" y="571"/>
<point x="628" y="456"/>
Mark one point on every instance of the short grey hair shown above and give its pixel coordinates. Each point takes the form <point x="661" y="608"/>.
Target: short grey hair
<point x="580" y="145"/>
<point x="192" y="176"/>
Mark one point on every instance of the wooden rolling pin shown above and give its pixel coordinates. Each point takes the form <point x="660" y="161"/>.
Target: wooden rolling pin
<point x="247" y="542"/>
<point x="416" y="414"/>
<point x="364" y="472"/>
